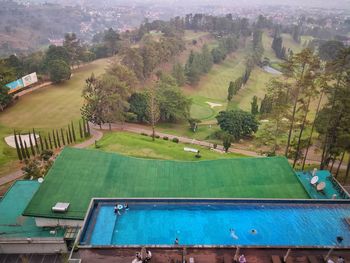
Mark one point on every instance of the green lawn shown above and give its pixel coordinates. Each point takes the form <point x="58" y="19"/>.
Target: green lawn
<point x="213" y="87"/>
<point x="79" y="175"/>
<point x="142" y="146"/>
<point x="44" y="109"/>
<point x="192" y="35"/>
<point x="256" y="86"/>
<point x="53" y="106"/>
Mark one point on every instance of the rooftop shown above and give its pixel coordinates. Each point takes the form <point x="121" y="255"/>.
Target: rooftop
<point x="12" y="223"/>
<point x="79" y="175"/>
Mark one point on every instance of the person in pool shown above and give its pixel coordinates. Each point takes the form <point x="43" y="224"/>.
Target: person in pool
<point x="253" y="231"/>
<point x="176" y="242"/>
<point x="117" y="209"/>
<point x="233" y="234"/>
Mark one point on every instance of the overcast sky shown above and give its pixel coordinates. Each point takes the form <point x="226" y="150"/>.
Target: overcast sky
<point x="345" y="4"/>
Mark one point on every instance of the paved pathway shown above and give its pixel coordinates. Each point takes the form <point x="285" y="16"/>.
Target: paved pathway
<point x="137" y="128"/>
<point x="11" y="177"/>
<point x="97" y="134"/>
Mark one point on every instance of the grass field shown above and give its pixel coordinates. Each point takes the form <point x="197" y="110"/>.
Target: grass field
<point x="142" y="146"/>
<point x="79" y="174"/>
<point x="213" y="87"/>
<point x="50" y="107"/>
<point x="256" y="86"/>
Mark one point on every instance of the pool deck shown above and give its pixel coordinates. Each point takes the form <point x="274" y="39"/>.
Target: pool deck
<point x="214" y="255"/>
<point x="333" y="188"/>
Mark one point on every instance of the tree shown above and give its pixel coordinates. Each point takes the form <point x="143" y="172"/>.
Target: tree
<point x="276" y="108"/>
<point x="59" y="70"/>
<point x="332" y="120"/>
<point x="111" y="39"/>
<point x="92" y="109"/>
<point x="278" y="47"/>
<point x="254" y="106"/>
<point x="207" y="59"/>
<point x="178" y="73"/>
<point x="72" y="45"/>
<point x="192" y="68"/>
<point x="218" y="55"/>
<point x="150" y="57"/>
<point x="329" y="50"/>
<point x="7" y="75"/>
<point x="132" y="58"/>
<point x="138" y="106"/>
<point x="173" y="104"/>
<point x="238" y="123"/>
<point x="5" y="98"/>
<point x="296" y="33"/>
<point x="230" y="91"/>
<point x="19" y="155"/>
<point x="106" y="98"/>
<point x="56" y="53"/>
<point x="153" y="109"/>
<point x="258" y="48"/>
<point x="302" y="69"/>
<point x="227" y="140"/>
<point x="194" y="123"/>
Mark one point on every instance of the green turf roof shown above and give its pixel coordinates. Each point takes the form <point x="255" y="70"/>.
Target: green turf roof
<point x="79" y="175"/>
<point x="12" y="223"/>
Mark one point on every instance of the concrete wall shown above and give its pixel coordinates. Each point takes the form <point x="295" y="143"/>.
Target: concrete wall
<point x="52" y="222"/>
<point x="23" y="246"/>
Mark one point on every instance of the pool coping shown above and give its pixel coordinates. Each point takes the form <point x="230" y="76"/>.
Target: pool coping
<point x="203" y="200"/>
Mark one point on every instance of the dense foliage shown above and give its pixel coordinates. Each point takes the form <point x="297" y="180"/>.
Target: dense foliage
<point x="237" y="123"/>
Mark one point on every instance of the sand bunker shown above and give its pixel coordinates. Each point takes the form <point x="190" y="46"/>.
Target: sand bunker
<point x="212" y="104"/>
<point x="10" y="140"/>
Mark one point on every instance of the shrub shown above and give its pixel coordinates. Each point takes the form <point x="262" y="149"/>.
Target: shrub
<point x="144" y="134"/>
<point x="165" y="138"/>
<point x="215" y="145"/>
<point x="156" y="136"/>
<point x="176" y="140"/>
<point x="46" y="155"/>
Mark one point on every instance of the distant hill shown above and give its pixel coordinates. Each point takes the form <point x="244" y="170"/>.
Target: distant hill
<point x="26" y="28"/>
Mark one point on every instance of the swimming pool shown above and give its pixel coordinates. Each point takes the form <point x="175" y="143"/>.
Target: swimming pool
<point x="304" y="224"/>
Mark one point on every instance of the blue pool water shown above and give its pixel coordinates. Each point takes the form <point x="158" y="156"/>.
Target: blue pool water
<point x="275" y="225"/>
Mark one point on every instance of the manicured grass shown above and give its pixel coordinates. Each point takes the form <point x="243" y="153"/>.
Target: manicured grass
<point x="201" y="109"/>
<point x="79" y="175"/>
<point x="51" y="107"/>
<point x="288" y="42"/>
<point x="213" y="86"/>
<point x="256" y="86"/>
<point x="8" y="155"/>
<point x="142" y="146"/>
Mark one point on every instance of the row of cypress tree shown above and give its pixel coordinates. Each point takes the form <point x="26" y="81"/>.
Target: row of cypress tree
<point x="236" y="85"/>
<point x="52" y="140"/>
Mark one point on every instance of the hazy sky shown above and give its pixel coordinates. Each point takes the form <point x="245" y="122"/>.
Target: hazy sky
<point x="317" y="3"/>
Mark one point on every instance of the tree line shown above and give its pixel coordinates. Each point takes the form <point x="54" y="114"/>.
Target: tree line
<point x="57" y="138"/>
<point x="287" y="104"/>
